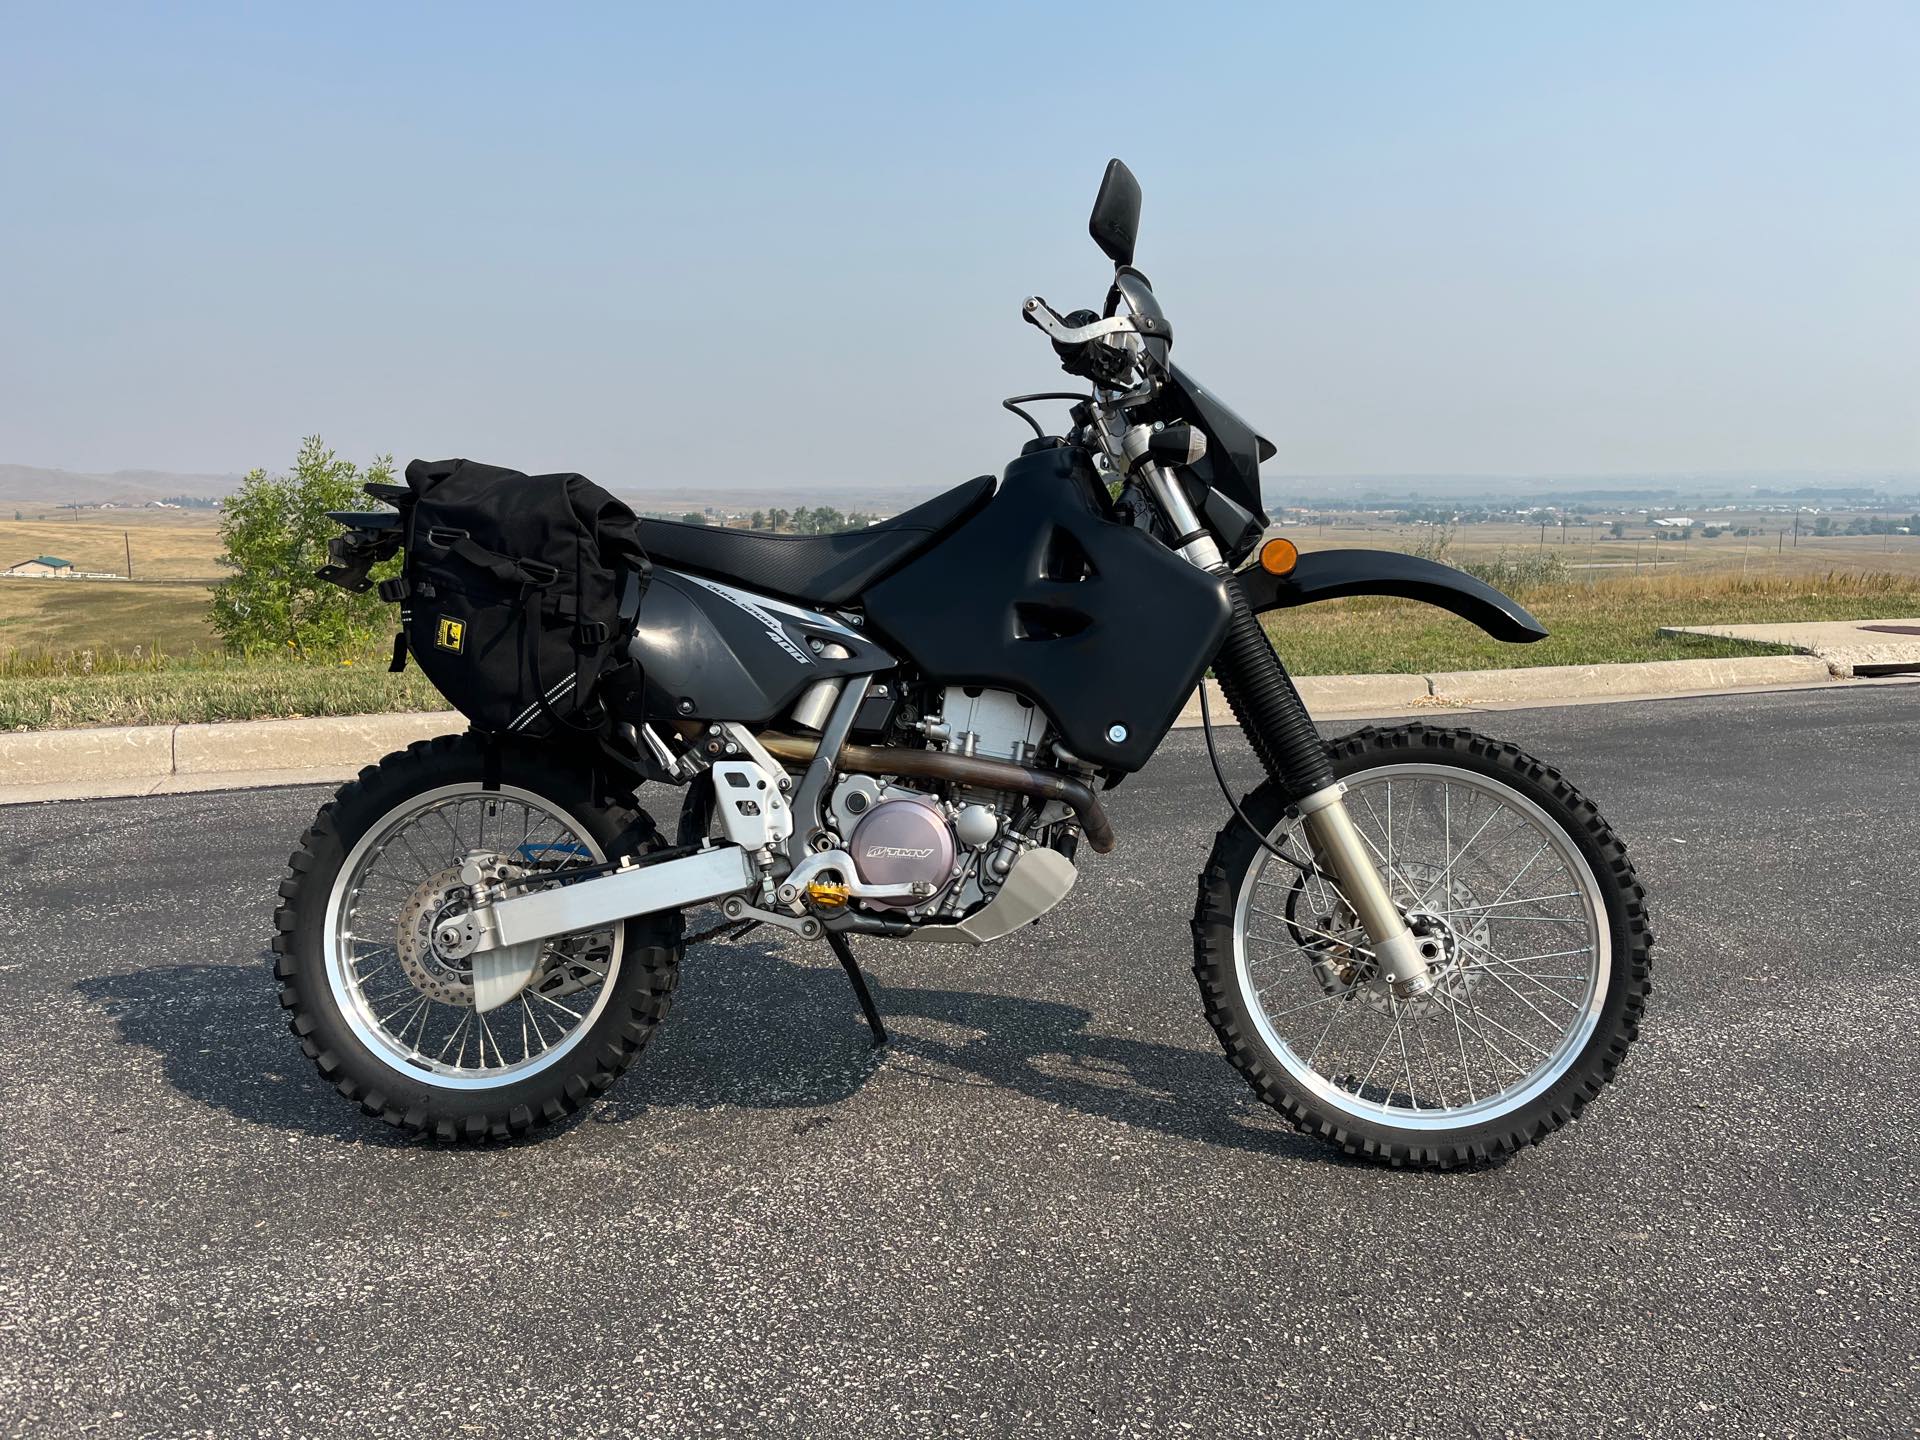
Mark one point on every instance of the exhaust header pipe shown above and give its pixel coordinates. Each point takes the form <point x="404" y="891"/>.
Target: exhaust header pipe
<point x="962" y="770"/>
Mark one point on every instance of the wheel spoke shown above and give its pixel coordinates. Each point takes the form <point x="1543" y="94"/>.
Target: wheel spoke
<point x="394" y="990"/>
<point x="1459" y="847"/>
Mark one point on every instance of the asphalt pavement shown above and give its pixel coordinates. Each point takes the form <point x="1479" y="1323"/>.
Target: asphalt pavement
<point x="1049" y="1208"/>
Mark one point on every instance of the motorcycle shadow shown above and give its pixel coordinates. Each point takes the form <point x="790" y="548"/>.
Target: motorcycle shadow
<point x="751" y="1028"/>
<point x="755" y="1027"/>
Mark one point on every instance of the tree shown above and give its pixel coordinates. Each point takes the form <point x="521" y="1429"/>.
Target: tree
<point x="756" y="521"/>
<point x="776" y="520"/>
<point x="275" y="531"/>
<point x="1619" y="529"/>
<point x="693" y="517"/>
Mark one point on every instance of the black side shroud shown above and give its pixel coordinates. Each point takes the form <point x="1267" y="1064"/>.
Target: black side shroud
<point x="1045" y="594"/>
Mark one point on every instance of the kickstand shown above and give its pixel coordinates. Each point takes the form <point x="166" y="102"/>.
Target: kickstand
<point x="844" y="952"/>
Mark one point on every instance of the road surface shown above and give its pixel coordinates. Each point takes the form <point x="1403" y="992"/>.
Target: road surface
<point x="1049" y="1208"/>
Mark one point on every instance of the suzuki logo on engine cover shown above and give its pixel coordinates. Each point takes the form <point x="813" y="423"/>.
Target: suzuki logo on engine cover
<point x="898" y="852"/>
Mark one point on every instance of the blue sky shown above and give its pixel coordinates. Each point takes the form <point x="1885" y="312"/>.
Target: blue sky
<point x="758" y="244"/>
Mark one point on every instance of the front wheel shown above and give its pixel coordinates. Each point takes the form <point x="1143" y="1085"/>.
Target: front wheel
<point x="1527" y="911"/>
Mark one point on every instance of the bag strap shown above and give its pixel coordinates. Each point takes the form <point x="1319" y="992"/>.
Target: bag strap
<point x="508" y="569"/>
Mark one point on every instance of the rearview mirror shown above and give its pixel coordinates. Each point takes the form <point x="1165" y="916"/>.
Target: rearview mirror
<point x="1115" y="223"/>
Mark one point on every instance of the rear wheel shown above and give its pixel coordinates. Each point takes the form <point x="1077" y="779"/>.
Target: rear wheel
<point x="1528" y="914"/>
<point x="386" y="1011"/>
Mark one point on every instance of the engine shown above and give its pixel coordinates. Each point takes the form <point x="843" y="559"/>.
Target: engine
<point x="951" y="850"/>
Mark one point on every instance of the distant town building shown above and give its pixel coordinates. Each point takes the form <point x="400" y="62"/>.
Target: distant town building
<point x="1676" y="522"/>
<point x="42" y="566"/>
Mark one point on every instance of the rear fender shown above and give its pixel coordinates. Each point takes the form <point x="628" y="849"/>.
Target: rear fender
<point x="1332" y="574"/>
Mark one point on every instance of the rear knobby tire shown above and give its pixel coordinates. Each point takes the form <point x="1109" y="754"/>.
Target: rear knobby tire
<point x="1236" y="861"/>
<point x="641" y="988"/>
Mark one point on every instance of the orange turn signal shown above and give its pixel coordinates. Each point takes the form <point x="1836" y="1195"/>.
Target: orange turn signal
<point x="1278" y="557"/>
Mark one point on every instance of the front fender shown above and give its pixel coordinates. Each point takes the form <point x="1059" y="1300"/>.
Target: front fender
<point x="1331" y="574"/>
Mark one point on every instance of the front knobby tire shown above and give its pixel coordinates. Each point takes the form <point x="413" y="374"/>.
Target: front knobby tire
<point x="1283" y="972"/>
<point x="618" y="984"/>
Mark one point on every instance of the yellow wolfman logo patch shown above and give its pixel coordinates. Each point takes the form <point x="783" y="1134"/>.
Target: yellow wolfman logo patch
<point x="452" y="635"/>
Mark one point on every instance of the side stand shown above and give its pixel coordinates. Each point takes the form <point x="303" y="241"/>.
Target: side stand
<point x="844" y="953"/>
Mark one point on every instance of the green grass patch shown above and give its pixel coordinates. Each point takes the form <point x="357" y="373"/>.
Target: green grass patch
<point x="208" y="688"/>
<point x="1593" y="623"/>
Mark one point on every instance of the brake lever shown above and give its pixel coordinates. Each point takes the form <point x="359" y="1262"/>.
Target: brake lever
<point x="1038" y="313"/>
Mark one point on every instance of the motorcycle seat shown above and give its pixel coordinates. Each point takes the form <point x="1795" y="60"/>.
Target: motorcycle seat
<point x="818" y="569"/>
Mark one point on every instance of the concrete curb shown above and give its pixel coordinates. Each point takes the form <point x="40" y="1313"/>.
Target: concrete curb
<point x="164" y="759"/>
<point x="152" y="759"/>
<point x="1650" y="677"/>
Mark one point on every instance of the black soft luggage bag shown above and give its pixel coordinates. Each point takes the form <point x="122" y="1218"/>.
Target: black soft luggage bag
<point x="511" y="591"/>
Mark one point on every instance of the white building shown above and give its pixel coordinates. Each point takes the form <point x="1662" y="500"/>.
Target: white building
<point x="42" y="566"/>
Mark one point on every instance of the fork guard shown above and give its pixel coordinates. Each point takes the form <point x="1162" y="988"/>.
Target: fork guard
<point x="1334" y="574"/>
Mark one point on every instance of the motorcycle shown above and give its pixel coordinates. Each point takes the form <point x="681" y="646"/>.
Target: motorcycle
<point x="1420" y="944"/>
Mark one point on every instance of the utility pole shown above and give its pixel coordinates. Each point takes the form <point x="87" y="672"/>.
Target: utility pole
<point x="1796" y="529"/>
<point x="127" y="535"/>
<point x="1543" y="534"/>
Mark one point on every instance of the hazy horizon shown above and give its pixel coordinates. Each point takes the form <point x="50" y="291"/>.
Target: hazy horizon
<point x="1496" y="242"/>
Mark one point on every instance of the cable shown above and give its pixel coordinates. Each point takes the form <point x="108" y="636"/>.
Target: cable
<point x="1014" y="402"/>
<point x="1213" y="757"/>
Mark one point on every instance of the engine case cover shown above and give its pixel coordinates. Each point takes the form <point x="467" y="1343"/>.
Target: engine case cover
<point x="904" y="842"/>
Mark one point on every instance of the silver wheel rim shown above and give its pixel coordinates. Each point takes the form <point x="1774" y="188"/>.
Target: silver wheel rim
<point x="395" y="996"/>
<point x="1510" y="902"/>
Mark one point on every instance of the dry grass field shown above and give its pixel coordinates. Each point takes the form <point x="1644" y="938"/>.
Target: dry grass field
<point x="76" y="652"/>
<point x="1591" y="550"/>
<point x="166" y="544"/>
<point x="67" y="617"/>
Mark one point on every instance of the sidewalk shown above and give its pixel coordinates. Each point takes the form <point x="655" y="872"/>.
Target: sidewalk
<point x="1849" y="647"/>
<point x="167" y="759"/>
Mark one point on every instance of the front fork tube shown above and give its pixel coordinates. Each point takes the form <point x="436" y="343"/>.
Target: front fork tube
<point x="1269" y="709"/>
<point x="1339" y="847"/>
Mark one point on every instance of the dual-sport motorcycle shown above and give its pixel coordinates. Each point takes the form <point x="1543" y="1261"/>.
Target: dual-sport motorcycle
<point x="1418" y="943"/>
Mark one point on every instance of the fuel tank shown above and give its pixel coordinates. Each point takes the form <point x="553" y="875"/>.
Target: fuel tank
<point x="1044" y="593"/>
<point x="711" y="651"/>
